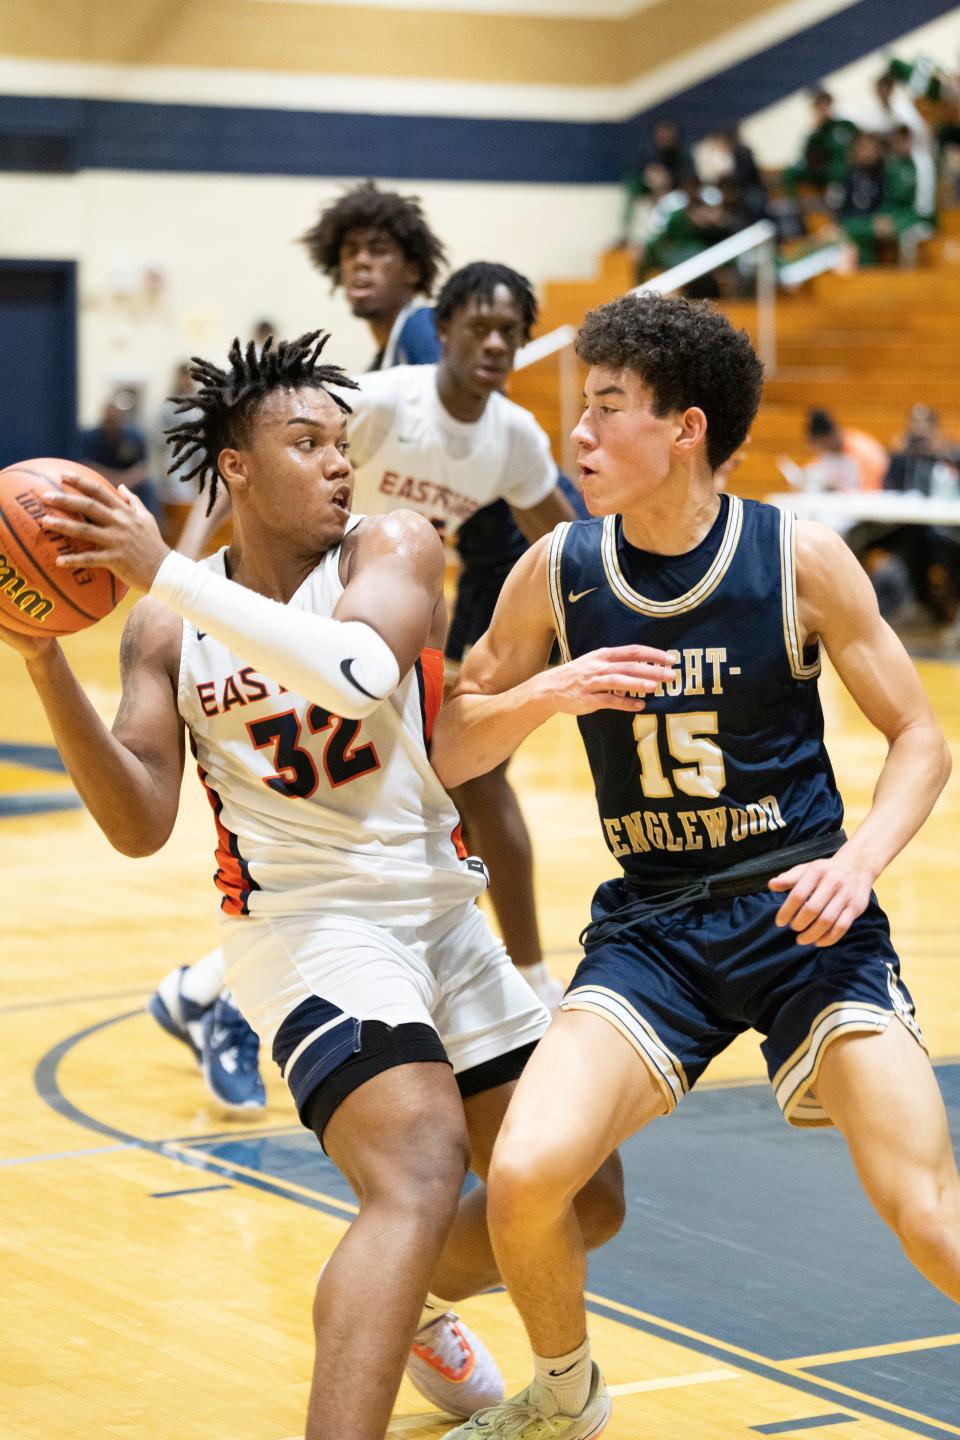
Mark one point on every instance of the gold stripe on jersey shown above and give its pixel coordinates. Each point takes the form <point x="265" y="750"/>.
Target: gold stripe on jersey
<point x="556" y="590"/>
<point x="610" y="1005"/>
<point x="694" y="596"/>
<point x="788" y="591"/>
<point x="796" y="1076"/>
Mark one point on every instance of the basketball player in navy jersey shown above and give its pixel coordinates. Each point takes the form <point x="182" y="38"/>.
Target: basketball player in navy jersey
<point x="741" y="903"/>
<point x="352" y="939"/>
<point x="377" y="247"/>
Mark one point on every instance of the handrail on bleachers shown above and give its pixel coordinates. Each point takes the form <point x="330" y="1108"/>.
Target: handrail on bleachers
<point x="760" y="236"/>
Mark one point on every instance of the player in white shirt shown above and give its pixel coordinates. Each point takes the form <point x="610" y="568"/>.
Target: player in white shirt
<point x="409" y="449"/>
<point x="444" y="440"/>
<point x="304" y="662"/>
<point x="441" y="439"/>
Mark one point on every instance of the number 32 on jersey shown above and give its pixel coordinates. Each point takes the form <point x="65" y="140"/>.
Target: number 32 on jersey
<point x="296" y="770"/>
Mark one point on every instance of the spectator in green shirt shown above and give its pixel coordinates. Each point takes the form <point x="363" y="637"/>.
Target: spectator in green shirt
<point x="824" y="158"/>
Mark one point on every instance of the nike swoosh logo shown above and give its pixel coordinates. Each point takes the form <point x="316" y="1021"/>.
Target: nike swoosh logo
<point x="347" y="671"/>
<point x="567" y="1368"/>
<point x="572" y="600"/>
<point x="201" y="634"/>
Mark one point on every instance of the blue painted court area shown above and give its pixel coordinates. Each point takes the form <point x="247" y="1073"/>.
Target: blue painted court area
<point x="750" y="1233"/>
<point x="22" y="801"/>
<point x="930" y="1377"/>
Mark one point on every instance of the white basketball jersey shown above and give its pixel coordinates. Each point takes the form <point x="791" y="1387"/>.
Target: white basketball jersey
<point x="409" y="452"/>
<point x="314" y="812"/>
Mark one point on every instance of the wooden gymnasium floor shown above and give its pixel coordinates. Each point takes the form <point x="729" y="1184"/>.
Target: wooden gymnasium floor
<point x="159" y="1261"/>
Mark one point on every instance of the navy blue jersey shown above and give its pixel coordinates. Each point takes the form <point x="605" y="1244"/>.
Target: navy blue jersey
<point x="727" y="761"/>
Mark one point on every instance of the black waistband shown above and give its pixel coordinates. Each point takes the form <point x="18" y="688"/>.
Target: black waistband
<point x="747" y="878"/>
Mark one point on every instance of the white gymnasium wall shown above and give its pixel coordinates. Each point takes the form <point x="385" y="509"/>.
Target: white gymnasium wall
<point x="774" y="133"/>
<point x="226" y="249"/>
<point x="224" y="246"/>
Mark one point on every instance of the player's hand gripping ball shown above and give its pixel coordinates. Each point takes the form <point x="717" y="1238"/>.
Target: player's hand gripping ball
<point x="37" y="596"/>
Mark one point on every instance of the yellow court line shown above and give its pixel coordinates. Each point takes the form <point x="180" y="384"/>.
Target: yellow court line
<point x="399" y="1423"/>
<point x="785" y="1367"/>
<point x="676" y="1382"/>
<point x="215" y="1163"/>
<point x="868" y="1352"/>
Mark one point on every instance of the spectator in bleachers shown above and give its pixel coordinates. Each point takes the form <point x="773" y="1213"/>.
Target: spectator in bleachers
<point x="923" y="458"/>
<point x="173" y="491"/>
<point x="688" y="222"/>
<point x="723" y="159"/>
<point x="670" y="151"/>
<point x="262" y="332"/>
<point x="863" y="195"/>
<point x="889" y="194"/>
<point x="117" y="450"/>
<point x="891" y="107"/>
<point x="915" y="565"/>
<point x="845" y="458"/>
<point x="668" y="168"/>
<point x="911" y="182"/>
<point x="823" y="159"/>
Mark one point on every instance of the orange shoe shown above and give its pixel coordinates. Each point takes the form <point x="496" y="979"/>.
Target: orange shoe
<point x="452" y="1368"/>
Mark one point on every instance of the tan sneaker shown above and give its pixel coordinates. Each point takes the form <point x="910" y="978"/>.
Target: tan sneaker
<point x="531" y="1416"/>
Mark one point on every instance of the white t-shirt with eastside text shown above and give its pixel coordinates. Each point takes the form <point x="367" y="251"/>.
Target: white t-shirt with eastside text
<point x="409" y="452"/>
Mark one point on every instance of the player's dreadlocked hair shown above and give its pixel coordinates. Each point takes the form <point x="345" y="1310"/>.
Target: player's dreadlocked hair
<point x="365" y="206"/>
<point x="229" y="399"/>
<point x="478" y="282"/>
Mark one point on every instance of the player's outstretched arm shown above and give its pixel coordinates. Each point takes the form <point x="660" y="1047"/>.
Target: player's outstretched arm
<point x="540" y="519"/>
<point x="837" y="603"/>
<point x="129" y="779"/>
<point x="342" y="665"/>
<point x="394" y="584"/>
<point x="504" y="690"/>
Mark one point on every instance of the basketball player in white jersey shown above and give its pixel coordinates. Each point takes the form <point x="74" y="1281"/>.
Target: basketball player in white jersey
<point x="351" y="935"/>
<point x="444" y="440"/>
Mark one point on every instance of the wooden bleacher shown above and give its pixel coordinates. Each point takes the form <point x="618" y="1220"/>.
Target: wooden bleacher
<point x="865" y="346"/>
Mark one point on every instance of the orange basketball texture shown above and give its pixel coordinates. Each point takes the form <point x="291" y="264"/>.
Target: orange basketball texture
<point x="37" y="597"/>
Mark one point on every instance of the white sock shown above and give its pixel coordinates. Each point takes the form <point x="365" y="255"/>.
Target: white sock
<point x="433" y="1308"/>
<point x="203" y="981"/>
<point x="566" y="1378"/>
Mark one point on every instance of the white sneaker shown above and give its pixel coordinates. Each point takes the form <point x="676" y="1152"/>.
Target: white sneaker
<point x="452" y="1368"/>
<point x="531" y="1415"/>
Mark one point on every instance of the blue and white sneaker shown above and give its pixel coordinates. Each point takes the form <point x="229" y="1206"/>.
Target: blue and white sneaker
<point x="230" y="1055"/>
<point x="180" y="1017"/>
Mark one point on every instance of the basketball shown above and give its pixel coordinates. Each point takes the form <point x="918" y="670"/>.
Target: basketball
<point x="37" y="597"/>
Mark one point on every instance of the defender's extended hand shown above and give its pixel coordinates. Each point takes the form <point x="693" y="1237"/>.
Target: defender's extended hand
<point x="824" y="899"/>
<point x="615" y="678"/>
<point x="113" y="528"/>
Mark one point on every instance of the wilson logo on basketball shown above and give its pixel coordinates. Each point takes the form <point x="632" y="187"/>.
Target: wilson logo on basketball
<point x="24" y="597"/>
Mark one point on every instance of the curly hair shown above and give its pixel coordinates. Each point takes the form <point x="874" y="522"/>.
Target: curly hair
<point x="400" y="216"/>
<point x="686" y="353"/>
<point x="227" y="400"/>
<point x="478" y="282"/>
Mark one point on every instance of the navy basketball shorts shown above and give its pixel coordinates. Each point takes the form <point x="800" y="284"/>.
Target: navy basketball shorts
<point x="682" y="985"/>
<point x="478" y="590"/>
<point x="312" y="984"/>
